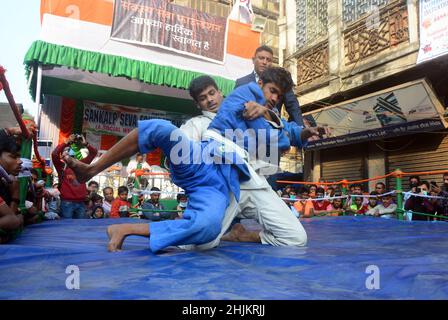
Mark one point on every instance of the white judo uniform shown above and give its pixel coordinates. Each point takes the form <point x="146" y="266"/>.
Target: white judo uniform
<point x="257" y="199"/>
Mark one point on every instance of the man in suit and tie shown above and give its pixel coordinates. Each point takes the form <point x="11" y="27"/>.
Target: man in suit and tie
<point x="263" y="60"/>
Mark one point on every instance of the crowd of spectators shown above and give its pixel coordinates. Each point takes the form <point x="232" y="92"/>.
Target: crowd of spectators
<point x="68" y="199"/>
<point x="424" y="201"/>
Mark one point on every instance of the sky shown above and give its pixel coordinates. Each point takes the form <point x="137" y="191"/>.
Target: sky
<point x="19" y="27"/>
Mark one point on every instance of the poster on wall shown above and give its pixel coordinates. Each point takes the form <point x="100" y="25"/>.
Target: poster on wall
<point x="166" y="25"/>
<point x="108" y="119"/>
<point x="433" y="27"/>
<point x="402" y="110"/>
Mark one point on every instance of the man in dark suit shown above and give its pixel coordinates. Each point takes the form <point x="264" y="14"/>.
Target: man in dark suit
<point x="262" y="60"/>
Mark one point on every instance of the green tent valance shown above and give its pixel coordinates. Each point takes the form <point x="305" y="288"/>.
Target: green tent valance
<point x="45" y="53"/>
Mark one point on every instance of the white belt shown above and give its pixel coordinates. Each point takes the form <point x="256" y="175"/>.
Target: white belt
<point x="230" y="146"/>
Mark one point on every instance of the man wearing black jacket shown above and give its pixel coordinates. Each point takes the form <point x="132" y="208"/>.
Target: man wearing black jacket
<point x="263" y="60"/>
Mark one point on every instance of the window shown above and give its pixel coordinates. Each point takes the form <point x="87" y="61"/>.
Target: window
<point x="312" y="21"/>
<point x="352" y="10"/>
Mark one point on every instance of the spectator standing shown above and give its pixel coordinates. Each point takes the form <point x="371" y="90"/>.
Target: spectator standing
<point x="73" y="193"/>
<point x="262" y="60"/>
<point x="442" y="192"/>
<point x="415" y="203"/>
<point x="135" y="168"/>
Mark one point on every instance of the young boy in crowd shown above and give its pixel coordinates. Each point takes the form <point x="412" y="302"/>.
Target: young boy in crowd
<point x="372" y="206"/>
<point x="387" y="208"/>
<point x="120" y="206"/>
<point x="336" y="206"/>
<point x="358" y="207"/>
<point x="182" y="202"/>
<point x="10" y="164"/>
<point x="320" y="206"/>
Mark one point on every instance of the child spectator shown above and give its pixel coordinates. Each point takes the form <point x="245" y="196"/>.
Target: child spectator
<point x="386" y="209"/>
<point x="52" y="204"/>
<point x="336" y="207"/>
<point x="97" y="213"/>
<point x="320" y="206"/>
<point x="372" y="206"/>
<point x="358" y="207"/>
<point x="94" y="200"/>
<point x="182" y="202"/>
<point x="290" y="199"/>
<point x="312" y="191"/>
<point x="120" y="206"/>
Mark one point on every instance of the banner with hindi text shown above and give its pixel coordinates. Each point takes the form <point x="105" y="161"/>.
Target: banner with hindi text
<point x="118" y="120"/>
<point x="169" y="26"/>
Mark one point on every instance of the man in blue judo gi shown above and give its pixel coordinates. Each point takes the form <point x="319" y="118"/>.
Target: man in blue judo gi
<point x="209" y="172"/>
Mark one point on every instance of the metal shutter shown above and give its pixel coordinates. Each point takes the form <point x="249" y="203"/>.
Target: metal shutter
<point x="347" y="162"/>
<point x="426" y="152"/>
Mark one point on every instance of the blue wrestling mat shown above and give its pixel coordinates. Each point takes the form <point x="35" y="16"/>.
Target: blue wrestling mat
<point x="412" y="260"/>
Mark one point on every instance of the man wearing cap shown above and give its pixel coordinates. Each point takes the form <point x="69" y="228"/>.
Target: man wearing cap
<point x="154" y="204"/>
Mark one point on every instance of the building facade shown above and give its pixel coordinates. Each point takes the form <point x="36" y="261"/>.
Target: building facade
<point x="343" y="53"/>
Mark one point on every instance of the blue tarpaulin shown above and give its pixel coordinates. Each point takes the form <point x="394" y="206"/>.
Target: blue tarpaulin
<point x="411" y="259"/>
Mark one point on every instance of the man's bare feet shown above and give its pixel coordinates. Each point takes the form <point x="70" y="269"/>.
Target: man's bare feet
<point x="80" y="169"/>
<point x="116" y="238"/>
<point x="235" y="233"/>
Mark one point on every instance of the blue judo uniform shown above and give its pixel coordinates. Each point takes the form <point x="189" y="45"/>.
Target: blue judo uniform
<point x="230" y="116"/>
<point x="207" y="183"/>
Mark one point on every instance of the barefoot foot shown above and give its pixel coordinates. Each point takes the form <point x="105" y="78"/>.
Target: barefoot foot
<point x="81" y="170"/>
<point x="235" y="233"/>
<point x="116" y="238"/>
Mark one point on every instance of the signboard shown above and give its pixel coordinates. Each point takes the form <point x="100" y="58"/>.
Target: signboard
<point x="433" y="29"/>
<point x="120" y="120"/>
<point x="397" y="111"/>
<point x="166" y="25"/>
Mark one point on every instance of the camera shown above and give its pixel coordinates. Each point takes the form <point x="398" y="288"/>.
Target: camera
<point x="418" y="190"/>
<point x="78" y="138"/>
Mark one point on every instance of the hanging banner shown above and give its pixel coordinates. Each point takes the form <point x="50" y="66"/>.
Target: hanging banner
<point x="433" y="29"/>
<point x="401" y="110"/>
<point x="166" y="25"/>
<point x="120" y="120"/>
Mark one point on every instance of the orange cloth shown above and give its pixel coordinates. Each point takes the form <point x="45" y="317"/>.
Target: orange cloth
<point x="305" y="209"/>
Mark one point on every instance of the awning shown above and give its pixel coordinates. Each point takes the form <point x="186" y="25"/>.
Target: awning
<point x="402" y="110"/>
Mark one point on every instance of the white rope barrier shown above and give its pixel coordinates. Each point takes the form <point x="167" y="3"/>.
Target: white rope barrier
<point x="137" y="192"/>
<point x="343" y="197"/>
<point x="423" y="196"/>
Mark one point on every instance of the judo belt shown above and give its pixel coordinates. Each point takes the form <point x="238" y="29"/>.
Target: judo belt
<point x="230" y="146"/>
